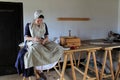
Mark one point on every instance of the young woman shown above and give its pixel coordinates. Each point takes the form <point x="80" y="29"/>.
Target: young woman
<point x="38" y="52"/>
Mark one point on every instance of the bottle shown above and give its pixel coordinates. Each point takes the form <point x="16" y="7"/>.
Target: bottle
<point x="69" y="33"/>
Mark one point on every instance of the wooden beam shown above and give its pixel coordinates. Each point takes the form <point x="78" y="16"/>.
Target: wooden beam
<point x="72" y="19"/>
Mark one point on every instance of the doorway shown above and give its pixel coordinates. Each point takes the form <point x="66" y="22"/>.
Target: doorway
<point x="11" y="34"/>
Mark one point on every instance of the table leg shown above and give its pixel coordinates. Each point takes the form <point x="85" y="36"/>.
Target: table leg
<point x="103" y="65"/>
<point x="111" y="64"/>
<point x="64" y="67"/>
<point x="117" y="71"/>
<point x="74" y="59"/>
<point x="95" y="65"/>
<point x="87" y="64"/>
<point x="79" y="57"/>
<point x="72" y="66"/>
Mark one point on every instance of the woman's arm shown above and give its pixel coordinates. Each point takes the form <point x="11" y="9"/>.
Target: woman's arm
<point x="28" y="35"/>
<point x="28" y="38"/>
<point x="35" y="39"/>
<point x="46" y="35"/>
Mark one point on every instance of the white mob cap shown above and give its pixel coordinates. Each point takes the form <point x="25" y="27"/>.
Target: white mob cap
<point x="37" y="13"/>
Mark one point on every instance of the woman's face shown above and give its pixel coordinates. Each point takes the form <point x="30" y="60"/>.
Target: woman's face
<point x="39" y="21"/>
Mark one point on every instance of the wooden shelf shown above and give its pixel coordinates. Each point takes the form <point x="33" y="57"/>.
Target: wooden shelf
<point x="72" y="19"/>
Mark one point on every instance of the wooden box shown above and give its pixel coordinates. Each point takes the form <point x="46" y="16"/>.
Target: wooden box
<point x="70" y="41"/>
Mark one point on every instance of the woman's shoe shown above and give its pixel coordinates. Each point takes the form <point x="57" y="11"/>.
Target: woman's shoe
<point x="42" y="76"/>
<point x="41" y="79"/>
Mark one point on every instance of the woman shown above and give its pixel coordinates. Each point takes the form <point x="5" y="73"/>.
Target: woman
<point x="38" y="51"/>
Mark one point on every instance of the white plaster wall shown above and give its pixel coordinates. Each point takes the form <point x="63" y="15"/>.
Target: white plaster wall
<point x="103" y="15"/>
<point x="119" y="17"/>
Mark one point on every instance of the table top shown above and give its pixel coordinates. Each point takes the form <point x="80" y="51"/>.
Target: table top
<point x="84" y="48"/>
<point x="102" y="43"/>
<point x="95" y="44"/>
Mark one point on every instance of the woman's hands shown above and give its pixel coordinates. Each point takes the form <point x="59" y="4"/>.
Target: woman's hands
<point x="45" y="39"/>
<point x="42" y="41"/>
<point x="37" y="39"/>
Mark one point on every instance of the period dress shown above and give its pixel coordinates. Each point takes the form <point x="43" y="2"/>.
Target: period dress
<point x="37" y="55"/>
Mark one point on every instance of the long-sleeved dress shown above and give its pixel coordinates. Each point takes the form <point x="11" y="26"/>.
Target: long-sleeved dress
<point x="35" y="54"/>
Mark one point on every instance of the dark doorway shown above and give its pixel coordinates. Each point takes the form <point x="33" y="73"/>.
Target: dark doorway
<point x="11" y="34"/>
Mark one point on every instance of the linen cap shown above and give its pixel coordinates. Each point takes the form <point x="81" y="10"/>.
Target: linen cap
<point x="37" y="13"/>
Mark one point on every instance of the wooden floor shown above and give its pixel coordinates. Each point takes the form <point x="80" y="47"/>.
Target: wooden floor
<point x="52" y="75"/>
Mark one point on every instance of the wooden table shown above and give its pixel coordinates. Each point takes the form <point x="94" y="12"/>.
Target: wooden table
<point x="91" y="48"/>
<point x="108" y="47"/>
<point x="68" y="53"/>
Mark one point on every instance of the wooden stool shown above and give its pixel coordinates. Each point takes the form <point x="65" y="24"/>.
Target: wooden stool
<point x="58" y="65"/>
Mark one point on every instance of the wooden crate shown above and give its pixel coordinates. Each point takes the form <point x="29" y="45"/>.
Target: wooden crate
<point x="70" y="41"/>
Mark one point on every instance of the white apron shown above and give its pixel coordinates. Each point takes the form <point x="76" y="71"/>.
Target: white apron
<point x="41" y="56"/>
